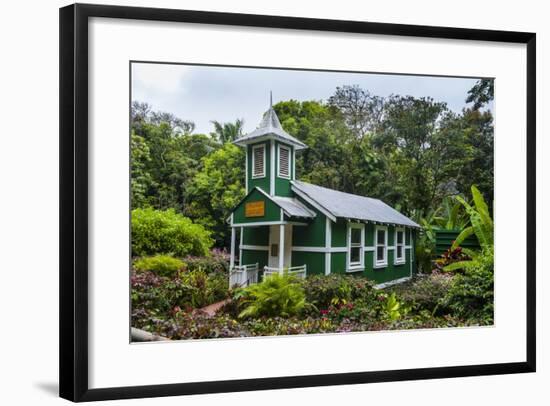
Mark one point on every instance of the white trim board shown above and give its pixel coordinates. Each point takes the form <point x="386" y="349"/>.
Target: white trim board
<point x="254" y="247"/>
<point x="328" y="243"/>
<point x="267" y="223"/>
<point x="320" y="249"/>
<point x="246" y="170"/>
<point x="272" y="167"/>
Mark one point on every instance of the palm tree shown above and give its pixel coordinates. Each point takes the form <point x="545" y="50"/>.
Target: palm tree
<point x="227" y="132"/>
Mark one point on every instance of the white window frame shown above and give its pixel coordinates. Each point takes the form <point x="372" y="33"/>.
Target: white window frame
<point x="279" y="174"/>
<point x="383" y="263"/>
<point x="403" y="259"/>
<point x="254" y="148"/>
<point x="356" y="266"/>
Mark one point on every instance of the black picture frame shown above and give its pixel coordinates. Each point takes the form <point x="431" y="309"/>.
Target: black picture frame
<point x="73" y="180"/>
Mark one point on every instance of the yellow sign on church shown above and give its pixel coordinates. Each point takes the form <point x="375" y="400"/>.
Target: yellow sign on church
<point x="254" y="209"/>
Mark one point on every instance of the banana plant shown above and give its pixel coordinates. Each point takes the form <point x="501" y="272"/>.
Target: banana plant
<point x="480" y="219"/>
<point x="453" y="217"/>
<point x="482" y="226"/>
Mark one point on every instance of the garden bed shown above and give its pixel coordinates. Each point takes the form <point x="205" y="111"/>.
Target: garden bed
<point x="170" y="306"/>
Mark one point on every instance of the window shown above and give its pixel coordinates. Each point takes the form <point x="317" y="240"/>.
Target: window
<point x="355" y="246"/>
<point x="284" y="162"/>
<point x="399" y="246"/>
<point x="381" y="257"/>
<point x="258" y="161"/>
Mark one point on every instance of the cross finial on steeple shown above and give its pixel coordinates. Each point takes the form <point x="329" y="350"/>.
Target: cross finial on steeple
<point x="270" y="99"/>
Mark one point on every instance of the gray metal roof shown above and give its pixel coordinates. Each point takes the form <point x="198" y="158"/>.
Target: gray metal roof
<point x="350" y="206"/>
<point x="269" y="127"/>
<point x="293" y="207"/>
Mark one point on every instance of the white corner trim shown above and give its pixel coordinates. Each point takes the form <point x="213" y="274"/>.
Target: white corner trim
<point x="262" y="175"/>
<point x="246" y="170"/>
<point x="272" y="168"/>
<point x="328" y="243"/>
<point x="293" y="163"/>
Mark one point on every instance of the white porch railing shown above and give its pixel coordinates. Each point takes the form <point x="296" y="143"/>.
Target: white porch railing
<point x="298" y="271"/>
<point x="243" y="275"/>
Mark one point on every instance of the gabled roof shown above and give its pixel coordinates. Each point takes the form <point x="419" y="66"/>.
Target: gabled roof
<point x="292" y="207"/>
<point x="347" y="205"/>
<point x="269" y="127"/>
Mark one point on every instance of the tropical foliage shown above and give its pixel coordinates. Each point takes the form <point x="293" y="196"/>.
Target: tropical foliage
<point x="163" y="265"/>
<point x="413" y="153"/>
<point x="167" y="232"/>
<point x="276" y="296"/>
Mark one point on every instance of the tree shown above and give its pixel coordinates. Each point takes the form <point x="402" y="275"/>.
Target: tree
<point x="424" y="151"/>
<point x="361" y="110"/>
<point x="228" y="132"/>
<point x="162" y="172"/>
<point x="216" y="189"/>
<point x="140" y="178"/>
<point x="481" y="93"/>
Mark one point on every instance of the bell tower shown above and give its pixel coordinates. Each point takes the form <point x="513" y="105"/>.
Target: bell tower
<point x="270" y="155"/>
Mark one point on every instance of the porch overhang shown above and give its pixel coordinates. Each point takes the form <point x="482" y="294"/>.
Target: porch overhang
<point x="258" y="208"/>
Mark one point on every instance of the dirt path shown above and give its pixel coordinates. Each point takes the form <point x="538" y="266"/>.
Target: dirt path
<point x="212" y="309"/>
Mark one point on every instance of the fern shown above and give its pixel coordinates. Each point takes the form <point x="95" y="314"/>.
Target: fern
<point x="275" y="296"/>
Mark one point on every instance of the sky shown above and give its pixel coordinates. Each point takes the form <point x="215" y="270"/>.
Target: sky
<point x="205" y="93"/>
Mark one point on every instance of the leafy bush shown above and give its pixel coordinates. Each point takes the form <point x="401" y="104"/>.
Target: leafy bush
<point x="451" y="256"/>
<point x="157" y="296"/>
<point x="167" y="232"/>
<point x="163" y="265"/>
<point x="218" y="261"/>
<point x="471" y="294"/>
<point x="325" y="290"/>
<point x="203" y="288"/>
<point x="277" y="295"/>
<point x="425" y="292"/>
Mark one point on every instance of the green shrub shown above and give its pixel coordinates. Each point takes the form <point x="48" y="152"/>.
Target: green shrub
<point x="217" y="261"/>
<point x="202" y="288"/>
<point x="425" y="292"/>
<point x="324" y="291"/>
<point x="158" y="296"/>
<point x="277" y="295"/>
<point x="471" y="294"/>
<point x="167" y="232"/>
<point x="163" y="265"/>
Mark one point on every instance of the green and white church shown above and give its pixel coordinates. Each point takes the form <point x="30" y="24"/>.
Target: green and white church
<point x="285" y="225"/>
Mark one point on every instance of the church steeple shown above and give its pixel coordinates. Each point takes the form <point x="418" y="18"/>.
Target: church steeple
<point x="270" y="155"/>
